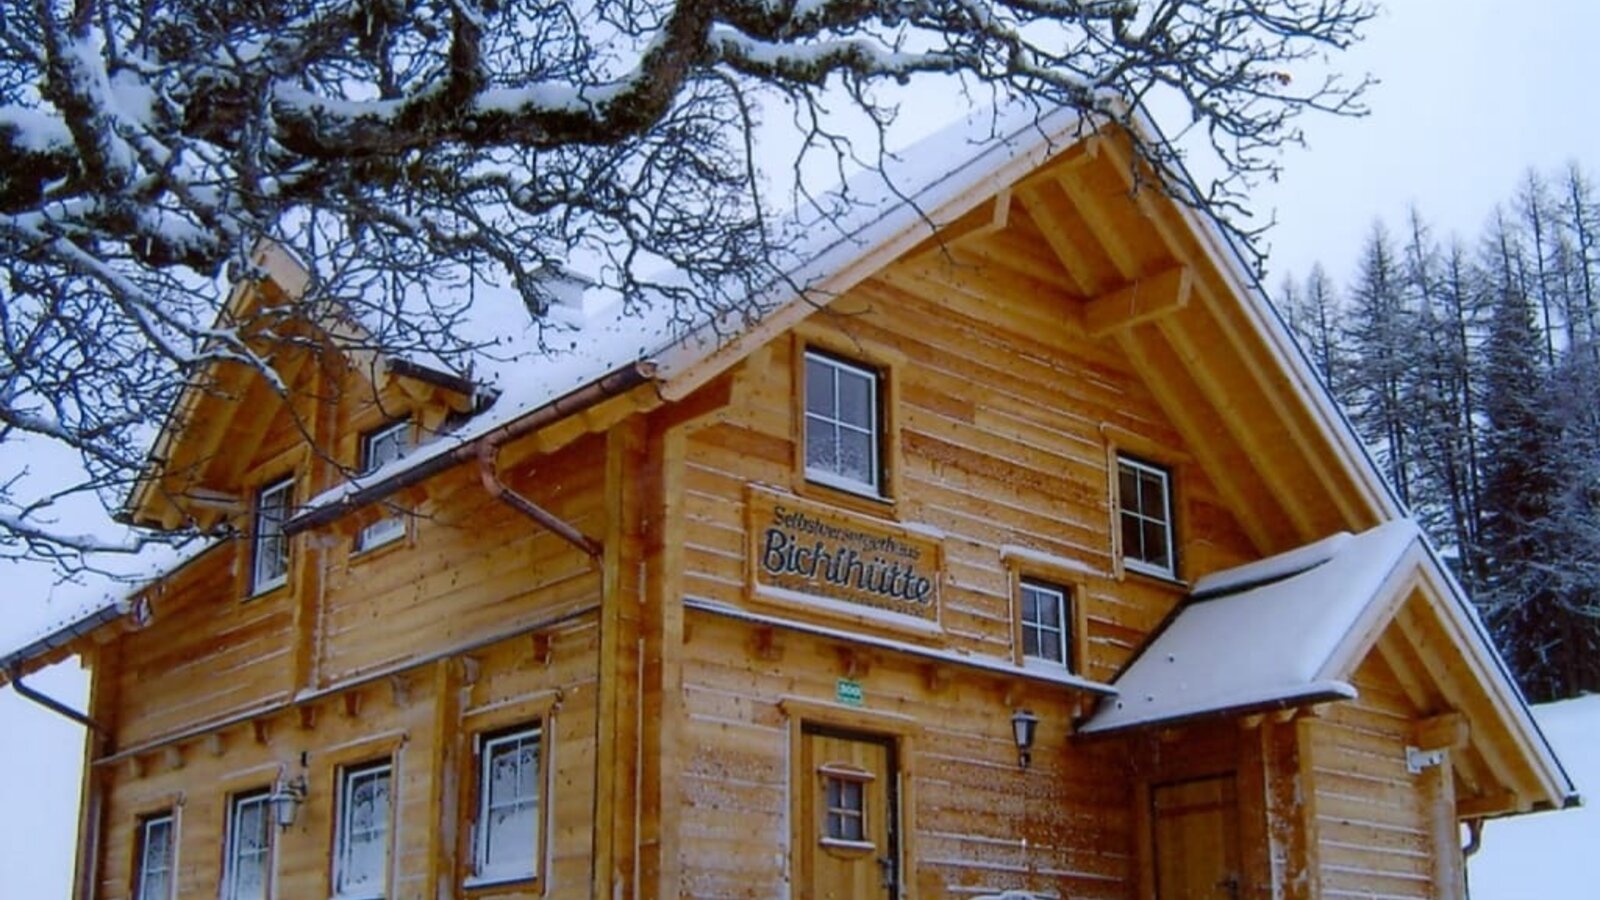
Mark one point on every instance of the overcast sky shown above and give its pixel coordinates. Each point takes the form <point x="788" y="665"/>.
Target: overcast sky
<point x="1473" y="93"/>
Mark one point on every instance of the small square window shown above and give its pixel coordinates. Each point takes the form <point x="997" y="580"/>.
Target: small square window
<point x="378" y="448"/>
<point x="246" y="862"/>
<point x="842" y="432"/>
<point x="270" y="546"/>
<point x="361" y="838"/>
<point x="1144" y="513"/>
<point x="507" y="837"/>
<point x="847" y="808"/>
<point x="154" y="878"/>
<point x="1046" y="626"/>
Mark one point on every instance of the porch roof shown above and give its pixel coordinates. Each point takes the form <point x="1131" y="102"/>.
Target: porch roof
<point x="1279" y="632"/>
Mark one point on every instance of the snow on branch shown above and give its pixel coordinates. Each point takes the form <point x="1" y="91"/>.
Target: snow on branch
<point x="418" y="155"/>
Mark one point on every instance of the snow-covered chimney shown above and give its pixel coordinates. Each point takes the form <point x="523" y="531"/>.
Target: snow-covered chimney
<point x="566" y="289"/>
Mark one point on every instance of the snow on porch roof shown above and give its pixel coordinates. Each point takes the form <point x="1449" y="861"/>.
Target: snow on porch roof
<point x="1268" y="634"/>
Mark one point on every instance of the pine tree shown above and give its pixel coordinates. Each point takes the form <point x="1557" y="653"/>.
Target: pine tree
<point x="1518" y="595"/>
<point x="1381" y="329"/>
<point x="1315" y="319"/>
<point x="1436" y="390"/>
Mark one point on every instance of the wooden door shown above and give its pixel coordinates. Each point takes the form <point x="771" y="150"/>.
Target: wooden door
<point x="1196" y="839"/>
<point x="849" y="841"/>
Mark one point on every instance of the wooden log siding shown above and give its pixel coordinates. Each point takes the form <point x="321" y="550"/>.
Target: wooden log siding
<point x="198" y="776"/>
<point x="1372" y="816"/>
<point x="1001" y="444"/>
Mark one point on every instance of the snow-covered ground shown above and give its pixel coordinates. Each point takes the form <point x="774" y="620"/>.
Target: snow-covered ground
<point x="1551" y="855"/>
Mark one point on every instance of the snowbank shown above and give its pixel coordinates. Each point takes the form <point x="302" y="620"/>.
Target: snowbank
<point x="1549" y="855"/>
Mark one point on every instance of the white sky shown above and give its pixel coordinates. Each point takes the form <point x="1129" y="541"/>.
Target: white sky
<point x="1474" y="93"/>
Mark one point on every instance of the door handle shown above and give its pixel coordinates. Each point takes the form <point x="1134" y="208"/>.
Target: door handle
<point x="1231" y="884"/>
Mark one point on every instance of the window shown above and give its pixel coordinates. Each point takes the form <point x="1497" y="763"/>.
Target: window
<point x="271" y="546"/>
<point x="249" y="847"/>
<point x="841" y="428"/>
<point x="377" y="448"/>
<point x="1045" y="632"/>
<point x="1144" y="500"/>
<point x="361" y="836"/>
<point x="153" y="879"/>
<point x="845" y="814"/>
<point x="506" y="843"/>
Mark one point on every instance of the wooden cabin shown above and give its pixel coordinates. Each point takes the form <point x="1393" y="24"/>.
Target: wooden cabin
<point x="1022" y="553"/>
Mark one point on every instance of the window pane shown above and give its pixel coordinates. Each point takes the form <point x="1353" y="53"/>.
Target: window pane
<point x="822" y="445"/>
<point x="1030" y="640"/>
<point x="1049" y="609"/>
<point x="1155" y="544"/>
<point x="1132" y="540"/>
<point x="856" y="459"/>
<point x="1152" y="496"/>
<point x="1128" y="487"/>
<point x="819" y="386"/>
<point x="855" y="399"/>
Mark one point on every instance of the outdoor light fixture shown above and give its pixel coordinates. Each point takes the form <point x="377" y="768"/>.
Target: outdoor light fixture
<point x="286" y="798"/>
<point x="1023" y="725"/>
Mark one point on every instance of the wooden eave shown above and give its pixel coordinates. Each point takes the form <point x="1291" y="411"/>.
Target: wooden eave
<point x="1442" y="658"/>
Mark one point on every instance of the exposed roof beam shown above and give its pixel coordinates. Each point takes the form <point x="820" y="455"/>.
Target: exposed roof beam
<point x="1187" y="409"/>
<point x="1074" y="262"/>
<point x="1141" y="301"/>
<point x="1229" y="407"/>
<point x="1095" y="215"/>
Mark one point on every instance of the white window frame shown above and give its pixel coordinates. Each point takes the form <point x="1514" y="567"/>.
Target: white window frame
<point x="275" y="498"/>
<point x="1060" y="635"/>
<point x="351" y="777"/>
<point x="874" y="486"/>
<point x="255" y="803"/>
<point x="378" y="447"/>
<point x="167" y="865"/>
<point x="1128" y="508"/>
<point x="521" y="870"/>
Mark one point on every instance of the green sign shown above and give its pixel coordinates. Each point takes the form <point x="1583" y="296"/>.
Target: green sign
<point x="849" y="692"/>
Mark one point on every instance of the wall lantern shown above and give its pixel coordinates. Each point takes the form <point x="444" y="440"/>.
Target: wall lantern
<point x="286" y="798"/>
<point x="1023" y="725"/>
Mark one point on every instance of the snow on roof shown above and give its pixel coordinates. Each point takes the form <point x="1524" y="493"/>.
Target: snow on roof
<point x="1263" y="644"/>
<point x="87" y="600"/>
<point x="819" y="239"/>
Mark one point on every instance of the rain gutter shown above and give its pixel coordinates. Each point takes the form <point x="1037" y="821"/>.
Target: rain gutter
<point x="612" y="384"/>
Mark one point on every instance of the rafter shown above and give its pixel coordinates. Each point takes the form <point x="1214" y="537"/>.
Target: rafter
<point x="1141" y="301"/>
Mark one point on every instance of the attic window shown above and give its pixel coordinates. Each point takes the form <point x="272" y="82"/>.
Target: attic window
<point x="270" y="546"/>
<point x="842" y="438"/>
<point x="1144" y="512"/>
<point x="379" y="447"/>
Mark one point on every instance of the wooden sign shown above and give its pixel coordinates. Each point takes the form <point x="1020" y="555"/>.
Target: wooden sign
<point x="801" y="550"/>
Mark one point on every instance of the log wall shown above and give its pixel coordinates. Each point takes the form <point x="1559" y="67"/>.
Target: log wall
<point x="1374" y="836"/>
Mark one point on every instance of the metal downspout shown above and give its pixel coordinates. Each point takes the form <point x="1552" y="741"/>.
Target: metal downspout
<point x="488" y="452"/>
<point x="56" y="706"/>
<point x="99" y="738"/>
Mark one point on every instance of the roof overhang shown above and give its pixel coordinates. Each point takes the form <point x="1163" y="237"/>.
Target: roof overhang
<point x="1291" y="631"/>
